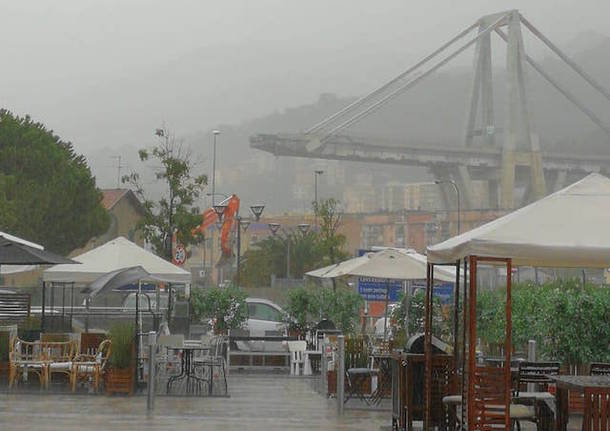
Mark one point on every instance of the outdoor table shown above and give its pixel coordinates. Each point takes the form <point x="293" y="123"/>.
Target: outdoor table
<point x="544" y="405"/>
<point x="193" y="383"/>
<point x="384" y="376"/>
<point x="581" y="384"/>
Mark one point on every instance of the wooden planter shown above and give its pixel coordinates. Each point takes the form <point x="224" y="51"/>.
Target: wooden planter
<point x="4" y="367"/>
<point x="119" y="381"/>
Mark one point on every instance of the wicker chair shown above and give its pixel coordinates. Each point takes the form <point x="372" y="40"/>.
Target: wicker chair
<point x="26" y="357"/>
<point x="57" y="356"/>
<point x="86" y="367"/>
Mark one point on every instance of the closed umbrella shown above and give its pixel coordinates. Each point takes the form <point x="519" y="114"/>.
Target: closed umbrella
<point x="120" y="278"/>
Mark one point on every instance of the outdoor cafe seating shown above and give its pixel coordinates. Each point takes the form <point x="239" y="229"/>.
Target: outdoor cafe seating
<point x="46" y="358"/>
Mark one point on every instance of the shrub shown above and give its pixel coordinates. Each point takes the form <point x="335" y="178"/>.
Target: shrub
<point x="341" y="305"/>
<point x="568" y="321"/>
<point x="225" y="306"/>
<point x="300" y="309"/>
<point x="122" y="337"/>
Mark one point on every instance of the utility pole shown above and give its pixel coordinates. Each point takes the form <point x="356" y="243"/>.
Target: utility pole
<point x="119" y="166"/>
<point x="214" y="133"/>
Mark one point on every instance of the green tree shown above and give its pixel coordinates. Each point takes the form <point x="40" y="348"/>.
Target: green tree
<point x="321" y="246"/>
<point x="47" y="192"/>
<point x="341" y="305"/>
<point x="330" y="241"/>
<point x="175" y="211"/>
<point x="226" y="307"/>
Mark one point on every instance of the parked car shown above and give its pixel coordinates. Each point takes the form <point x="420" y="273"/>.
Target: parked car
<point x="263" y="316"/>
<point x="129" y="303"/>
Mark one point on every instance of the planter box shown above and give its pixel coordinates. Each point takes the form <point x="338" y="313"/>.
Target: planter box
<point x="365" y="387"/>
<point x="4" y="368"/>
<point x="119" y="381"/>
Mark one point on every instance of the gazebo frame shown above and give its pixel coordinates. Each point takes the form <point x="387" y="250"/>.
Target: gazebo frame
<point x="469" y="321"/>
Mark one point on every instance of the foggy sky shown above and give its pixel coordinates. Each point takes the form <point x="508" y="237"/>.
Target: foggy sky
<point x="107" y="73"/>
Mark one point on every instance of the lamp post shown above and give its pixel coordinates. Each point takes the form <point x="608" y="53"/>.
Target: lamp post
<point x="457" y="192"/>
<point x="219" y="209"/>
<point x="257" y="211"/>
<point x="274" y="227"/>
<point x="315" y="178"/>
<point x="215" y="133"/>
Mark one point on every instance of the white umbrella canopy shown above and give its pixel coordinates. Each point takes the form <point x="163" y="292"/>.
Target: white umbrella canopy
<point x="119" y="253"/>
<point x="338" y="269"/>
<point x="568" y="228"/>
<point x="397" y="265"/>
<point x="392" y="263"/>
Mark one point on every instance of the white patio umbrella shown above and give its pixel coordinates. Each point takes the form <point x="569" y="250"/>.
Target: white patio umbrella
<point x="387" y="264"/>
<point x="392" y="264"/>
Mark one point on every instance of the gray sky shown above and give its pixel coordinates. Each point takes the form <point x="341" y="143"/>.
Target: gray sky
<point x="106" y="73"/>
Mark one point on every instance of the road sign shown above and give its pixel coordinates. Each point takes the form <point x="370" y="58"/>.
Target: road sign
<point x="179" y="255"/>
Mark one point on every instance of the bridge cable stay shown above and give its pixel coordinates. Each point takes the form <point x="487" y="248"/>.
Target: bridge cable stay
<point x="565" y="58"/>
<point x="413" y="81"/>
<point x="317" y="127"/>
<point x="566" y="93"/>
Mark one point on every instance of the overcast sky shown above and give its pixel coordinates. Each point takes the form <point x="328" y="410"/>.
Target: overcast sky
<point x="107" y="72"/>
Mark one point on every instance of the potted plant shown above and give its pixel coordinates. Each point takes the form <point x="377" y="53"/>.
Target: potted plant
<point x="4" y="353"/>
<point x="119" y="376"/>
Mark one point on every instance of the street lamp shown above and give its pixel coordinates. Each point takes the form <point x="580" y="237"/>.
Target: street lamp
<point x="315" y="178"/>
<point x="215" y="133"/>
<point x="257" y="211"/>
<point x="219" y="209"/>
<point x="273" y="227"/>
<point x="457" y="192"/>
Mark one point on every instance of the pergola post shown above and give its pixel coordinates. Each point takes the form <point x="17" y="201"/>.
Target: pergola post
<point x="472" y="336"/>
<point x="428" y="344"/>
<point x="44" y="291"/>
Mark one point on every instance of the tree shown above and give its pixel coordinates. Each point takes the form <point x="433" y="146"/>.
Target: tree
<point x="174" y="212"/>
<point x="330" y="242"/>
<point x="318" y="247"/>
<point x="47" y="192"/>
<point x="226" y="307"/>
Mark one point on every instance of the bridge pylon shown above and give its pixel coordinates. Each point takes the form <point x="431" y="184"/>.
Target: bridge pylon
<point x="503" y="152"/>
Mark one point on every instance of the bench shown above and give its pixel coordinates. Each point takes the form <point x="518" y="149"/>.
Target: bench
<point x="14" y="307"/>
<point x="258" y="360"/>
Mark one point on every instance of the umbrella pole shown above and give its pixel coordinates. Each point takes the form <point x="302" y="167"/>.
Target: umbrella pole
<point x="44" y="289"/>
<point x="137" y="334"/>
<point x="385" y="319"/>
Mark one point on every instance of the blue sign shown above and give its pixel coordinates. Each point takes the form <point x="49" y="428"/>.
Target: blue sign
<point x="374" y="289"/>
<point x="442" y="291"/>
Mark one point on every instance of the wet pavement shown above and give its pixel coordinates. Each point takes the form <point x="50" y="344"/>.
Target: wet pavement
<point x="257" y="402"/>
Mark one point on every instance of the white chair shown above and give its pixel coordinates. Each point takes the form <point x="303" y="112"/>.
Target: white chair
<point x="297" y="356"/>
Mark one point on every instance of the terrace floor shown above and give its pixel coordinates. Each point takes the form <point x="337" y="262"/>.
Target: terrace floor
<point x="257" y="402"/>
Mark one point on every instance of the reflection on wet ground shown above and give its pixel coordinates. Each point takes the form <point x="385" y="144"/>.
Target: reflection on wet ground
<point x="257" y="402"/>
